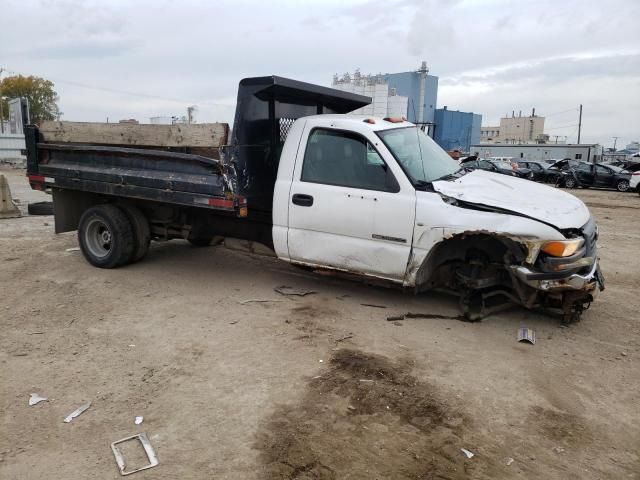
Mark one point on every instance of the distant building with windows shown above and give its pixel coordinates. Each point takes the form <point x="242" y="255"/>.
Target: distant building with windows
<point x="516" y="130"/>
<point x="455" y="130"/>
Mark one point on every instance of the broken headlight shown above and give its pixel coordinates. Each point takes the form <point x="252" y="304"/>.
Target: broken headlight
<point x="562" y="248"/>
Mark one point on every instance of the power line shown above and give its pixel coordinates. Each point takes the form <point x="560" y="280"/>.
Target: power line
<point x="124" y="92"/>
<point x="562" y="126"/>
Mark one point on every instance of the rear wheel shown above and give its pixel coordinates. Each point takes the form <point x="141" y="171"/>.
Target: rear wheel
<point x="141" y="231"/>
<point x="106" y="236"/>
<point x="622" y="185"/>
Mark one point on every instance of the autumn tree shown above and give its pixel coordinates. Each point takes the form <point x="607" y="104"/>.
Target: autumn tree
<point x="40" y="93"/>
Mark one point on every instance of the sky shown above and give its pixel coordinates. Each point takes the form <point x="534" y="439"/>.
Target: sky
<point x="138" y="59"/>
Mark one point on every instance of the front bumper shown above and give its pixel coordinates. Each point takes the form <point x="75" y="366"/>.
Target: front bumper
<point x="590" y="282"/>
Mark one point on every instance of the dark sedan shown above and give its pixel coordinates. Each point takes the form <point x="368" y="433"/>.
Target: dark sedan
<point x="602" y="176"/>
<point x="540" y="171"/>
<point x="496" y="166"/>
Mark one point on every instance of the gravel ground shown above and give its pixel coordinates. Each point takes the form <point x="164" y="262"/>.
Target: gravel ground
<point x="238" y="382"/>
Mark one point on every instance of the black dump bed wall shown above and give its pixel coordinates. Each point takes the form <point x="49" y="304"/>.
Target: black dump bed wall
<point x="266" y="109"/>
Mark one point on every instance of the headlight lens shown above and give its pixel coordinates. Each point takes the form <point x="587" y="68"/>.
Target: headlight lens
<point x="562" y="248"/>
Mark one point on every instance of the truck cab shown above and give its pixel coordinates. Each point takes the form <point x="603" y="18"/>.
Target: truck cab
<point x="378" y="197"/>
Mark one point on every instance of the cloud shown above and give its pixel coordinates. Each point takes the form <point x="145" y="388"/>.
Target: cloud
<point x="492" y="56"/>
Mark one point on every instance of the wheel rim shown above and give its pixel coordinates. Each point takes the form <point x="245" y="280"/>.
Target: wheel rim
<point x="98" y="238"/>
<point x="569" y="183"/>
<point x="623" y="186"/>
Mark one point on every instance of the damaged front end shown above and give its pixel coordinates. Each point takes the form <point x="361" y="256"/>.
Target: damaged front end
<point x="491" y="271"/>
<point x="566" y="281"/>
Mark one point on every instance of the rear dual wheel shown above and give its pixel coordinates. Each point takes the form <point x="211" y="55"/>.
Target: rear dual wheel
<point x="111" y="236"/>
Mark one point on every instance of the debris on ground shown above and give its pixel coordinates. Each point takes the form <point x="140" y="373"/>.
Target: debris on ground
<point x="373" y="305"/>
<point x="468" y="453"/>
<point x="286" y="290"/>
<point x="558" y="449"/>
<point x="526" y="335"/>
<point x="76" y="412"/>
<point x="73" y="249"/>
<point x="148" y="449"/>
<point x="34" y="399"/>
<point x="509" y="461"/>
<point x="139" y="420"/>
<point x="257" y="300"/>
<point x="407" y="315"/>
<point x="345" y="337"/>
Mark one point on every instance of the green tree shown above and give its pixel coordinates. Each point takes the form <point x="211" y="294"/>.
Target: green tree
<point x="42" y="97"/>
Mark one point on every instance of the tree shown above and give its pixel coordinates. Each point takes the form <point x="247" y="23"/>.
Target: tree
<point x="42" y="97"/>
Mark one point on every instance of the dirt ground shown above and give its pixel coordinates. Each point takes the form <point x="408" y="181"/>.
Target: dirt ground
<point x="313" y="387"/>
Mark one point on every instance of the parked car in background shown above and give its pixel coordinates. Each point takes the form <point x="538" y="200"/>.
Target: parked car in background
<point x="555" y="170"/>
<point x="539" y="170"/>
<point x="497" y="166"/>
<point x="634" y="183"/>
<point x="602" y="176"/>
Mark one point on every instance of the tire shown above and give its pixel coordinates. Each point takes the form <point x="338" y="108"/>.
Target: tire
<point x="40" y="208"/>
<point x="200" y="241"/>
<point x="570" y="183"/>
<point x="141" y="231"/>
<point x="106" y="236"/>
<point x="622" y="185"/>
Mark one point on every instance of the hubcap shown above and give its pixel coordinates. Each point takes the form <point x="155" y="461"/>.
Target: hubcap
<point x="98" y="238"/>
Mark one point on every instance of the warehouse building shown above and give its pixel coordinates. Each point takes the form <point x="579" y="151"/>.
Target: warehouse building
<point x="584" y="152"/>
<point x="455" y="130"/>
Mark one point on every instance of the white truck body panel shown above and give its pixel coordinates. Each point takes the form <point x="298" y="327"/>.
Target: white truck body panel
<point x="543" y="202"/>
<point x="352" y="229"/>
<point x="390" y="234"/>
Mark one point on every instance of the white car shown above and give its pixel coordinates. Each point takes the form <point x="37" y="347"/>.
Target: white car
<point x="634" y="183"/>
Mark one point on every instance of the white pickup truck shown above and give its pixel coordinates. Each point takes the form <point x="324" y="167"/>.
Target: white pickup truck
<point x="370" y="196"/>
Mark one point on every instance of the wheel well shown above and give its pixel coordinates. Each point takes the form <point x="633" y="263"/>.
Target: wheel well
<point x="461" y="248"/>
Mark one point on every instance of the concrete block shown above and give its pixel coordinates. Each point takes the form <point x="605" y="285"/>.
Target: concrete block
<point x="8" y="209"/>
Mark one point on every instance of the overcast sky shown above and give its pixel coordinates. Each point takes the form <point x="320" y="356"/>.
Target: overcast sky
<point x="138" y="59"/>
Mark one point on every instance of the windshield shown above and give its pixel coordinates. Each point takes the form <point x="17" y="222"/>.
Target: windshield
<point x="419" y="156"/>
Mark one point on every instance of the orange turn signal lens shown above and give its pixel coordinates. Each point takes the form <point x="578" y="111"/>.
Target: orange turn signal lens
<point x="562" y="248"/>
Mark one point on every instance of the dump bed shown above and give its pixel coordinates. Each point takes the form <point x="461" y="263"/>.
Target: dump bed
<point x="147" y="162"/>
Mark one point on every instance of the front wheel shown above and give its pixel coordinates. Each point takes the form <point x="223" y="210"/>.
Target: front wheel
<point x="622" y="185"/>
<point x="106" y="237"/>
<point x="570" y="183"/>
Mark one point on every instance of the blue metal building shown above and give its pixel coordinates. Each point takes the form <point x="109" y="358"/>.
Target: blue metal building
<point x="422" y="91"/>
<point x="456" y="130"/>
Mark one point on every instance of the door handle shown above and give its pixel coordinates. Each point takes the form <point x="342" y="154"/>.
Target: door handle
<point x="302" y="199"/>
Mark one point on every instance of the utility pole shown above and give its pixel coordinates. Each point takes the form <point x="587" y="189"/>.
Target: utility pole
<point x="615" y="141"/>
<point x="1" y="115"/>
<point x="580" y="123"/>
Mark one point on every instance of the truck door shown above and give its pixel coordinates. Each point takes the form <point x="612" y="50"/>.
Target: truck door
<point x="347" y="209"/>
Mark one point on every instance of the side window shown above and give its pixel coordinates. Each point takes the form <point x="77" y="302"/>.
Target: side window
<point x="602" y="170"/>
<point x="485" y="165"/>
<point x="345" y="159"/>
<point x="583" y="167"/>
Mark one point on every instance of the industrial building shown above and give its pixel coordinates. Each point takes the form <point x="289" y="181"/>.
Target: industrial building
<point x="422" y="91"/>
<point x="384" y="100"/>
<point x="584" y="152"/>
<point x="455" y="130"/>
<point x="516" y="130"/>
